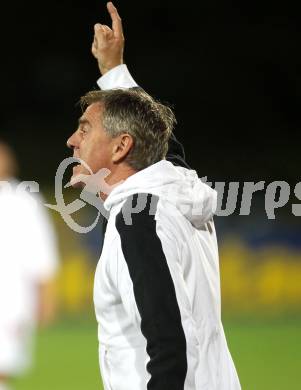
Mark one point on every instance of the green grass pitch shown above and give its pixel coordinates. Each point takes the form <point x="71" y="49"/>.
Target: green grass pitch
<point x="267" y="356"/>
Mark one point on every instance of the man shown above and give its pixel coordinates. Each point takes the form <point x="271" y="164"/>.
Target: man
<point x="157" y="288"/>
<point x="28" y="263"/>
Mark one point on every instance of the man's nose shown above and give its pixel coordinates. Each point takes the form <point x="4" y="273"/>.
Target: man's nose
<point x="71" y="141"/>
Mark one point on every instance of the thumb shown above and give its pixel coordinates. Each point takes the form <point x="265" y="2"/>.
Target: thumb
<point x="97" y="27"/>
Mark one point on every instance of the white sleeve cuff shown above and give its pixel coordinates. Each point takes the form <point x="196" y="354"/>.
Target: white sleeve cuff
<point x="118" y="77"/>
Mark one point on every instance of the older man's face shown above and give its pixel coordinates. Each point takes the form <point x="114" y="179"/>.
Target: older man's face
<point x="91" y="143"/>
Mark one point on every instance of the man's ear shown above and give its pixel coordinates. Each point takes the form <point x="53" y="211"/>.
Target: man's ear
<point x="122" y="146"/>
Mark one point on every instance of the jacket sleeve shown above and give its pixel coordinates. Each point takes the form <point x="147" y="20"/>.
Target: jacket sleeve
<point x="118" y="77"/>
<point x="149" y="291"/>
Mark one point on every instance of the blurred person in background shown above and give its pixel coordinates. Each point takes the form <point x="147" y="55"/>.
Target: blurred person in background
<point x="157" y="287"/>
<point x="28" y="264"/>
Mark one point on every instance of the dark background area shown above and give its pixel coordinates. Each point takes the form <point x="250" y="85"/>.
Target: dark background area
<point x="231" y="70"/>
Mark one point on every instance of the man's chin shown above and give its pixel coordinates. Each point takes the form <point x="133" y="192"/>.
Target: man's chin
<point x="79" y="177"/>
<point x="77" y="185"/>
<point x="78" y="180"/>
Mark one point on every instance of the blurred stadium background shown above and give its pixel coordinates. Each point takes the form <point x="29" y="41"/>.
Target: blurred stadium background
<point x="232" y="72"/>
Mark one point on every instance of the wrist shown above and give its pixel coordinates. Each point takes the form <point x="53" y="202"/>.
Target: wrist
<point x="104" y="68"/>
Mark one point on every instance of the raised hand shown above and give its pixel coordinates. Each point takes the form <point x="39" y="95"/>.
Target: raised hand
<point x="108" y="43"/>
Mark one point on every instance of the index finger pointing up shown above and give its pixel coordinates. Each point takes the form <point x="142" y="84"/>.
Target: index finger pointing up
<point x="116" y="20"/>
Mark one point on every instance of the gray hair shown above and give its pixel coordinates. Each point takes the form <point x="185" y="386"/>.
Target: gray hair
<point x="133" y="111"/>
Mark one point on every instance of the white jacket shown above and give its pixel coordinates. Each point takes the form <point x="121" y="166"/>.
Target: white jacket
<point x="157" y="286"/>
